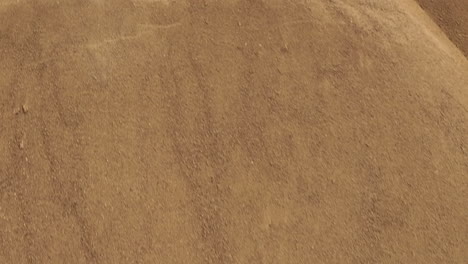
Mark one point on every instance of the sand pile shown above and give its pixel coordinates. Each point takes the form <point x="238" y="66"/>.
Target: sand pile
<point x="236" y="132"/>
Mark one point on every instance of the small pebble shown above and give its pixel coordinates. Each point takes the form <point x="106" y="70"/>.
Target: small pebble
<point x="25" y="108"/>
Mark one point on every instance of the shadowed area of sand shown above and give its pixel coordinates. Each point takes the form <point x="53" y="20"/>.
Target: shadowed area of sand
<point x="452" y="17"/>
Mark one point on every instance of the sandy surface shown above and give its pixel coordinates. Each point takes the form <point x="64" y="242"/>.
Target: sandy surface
<point x="452" y="17"/>
<point x="231" y="132"/>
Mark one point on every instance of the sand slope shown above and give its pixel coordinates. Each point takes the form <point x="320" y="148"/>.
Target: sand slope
<point x="234" y="132"/>
<point x="452" y="17"/>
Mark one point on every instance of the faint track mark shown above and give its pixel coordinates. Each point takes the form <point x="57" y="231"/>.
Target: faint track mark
<point x="68" y="192"/>
<point x="192" y="156"/>
<point x="148" y="28"/>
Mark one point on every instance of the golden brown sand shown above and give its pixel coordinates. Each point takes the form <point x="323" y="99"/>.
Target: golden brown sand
<point x="143" y="131"/>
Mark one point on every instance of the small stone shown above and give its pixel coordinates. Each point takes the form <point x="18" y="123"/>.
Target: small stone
<point x="25" y="108"/>
<point x="21" y="144"/>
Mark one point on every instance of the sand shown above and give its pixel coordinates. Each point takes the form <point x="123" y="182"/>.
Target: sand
<point x="231" y="132"/>
<point x="452" y="17"/>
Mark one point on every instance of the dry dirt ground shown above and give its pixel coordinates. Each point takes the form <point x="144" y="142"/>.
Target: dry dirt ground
<point x="142" y="131"/>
